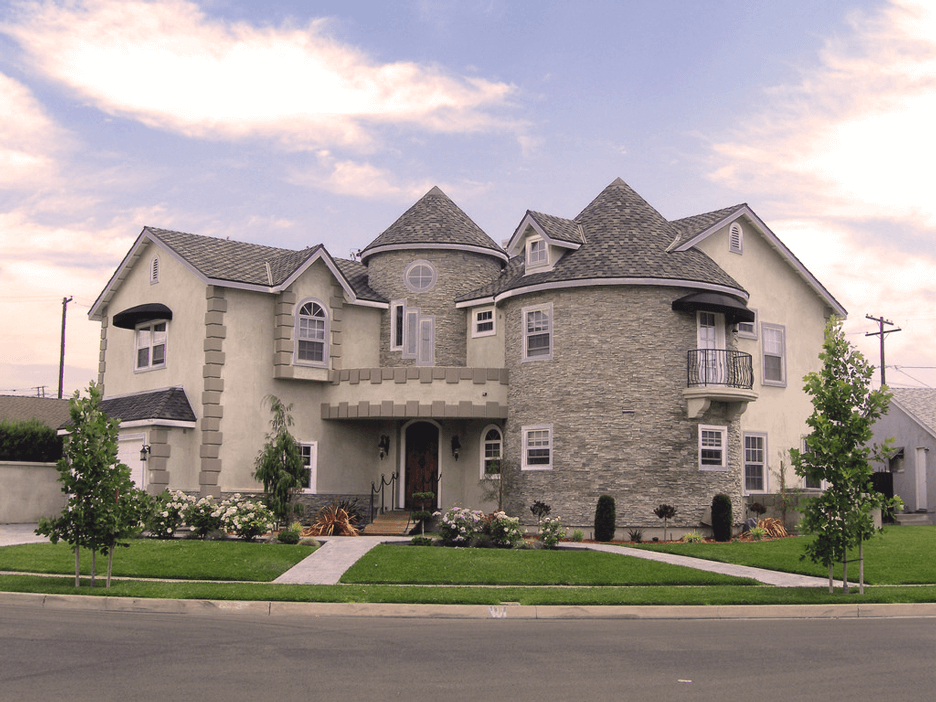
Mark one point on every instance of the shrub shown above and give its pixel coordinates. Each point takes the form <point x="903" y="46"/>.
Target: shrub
<point x="422" y="540"/>
<point x="504" y="531"/>
<point x="635" y="535"/>
<point x="167" y="514"/>
<point x="30" y="441"/>
<point x="203" y="516"/>
<point x="758" y="533"/>
<point x="459" y="526"/>
<point x="605" y="518"/>
<point x="693" y="537"/>
<point x="722" y="517"/>
<point x="247" y="519"/>
<point x="551" y="532"/>
<point x="577" y="535"/>
<point x="290" y="535"/>
<point x="334" y="519"/>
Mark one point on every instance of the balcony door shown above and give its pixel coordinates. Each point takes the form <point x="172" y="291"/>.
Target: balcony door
<point x="711" y="339"/>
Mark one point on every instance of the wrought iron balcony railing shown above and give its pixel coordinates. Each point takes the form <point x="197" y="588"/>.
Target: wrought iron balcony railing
<point x="723" y="367"/>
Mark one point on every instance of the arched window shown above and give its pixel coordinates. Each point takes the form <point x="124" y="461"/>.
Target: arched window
<point x="492" y="451"/>
<point x="312" y="334"/>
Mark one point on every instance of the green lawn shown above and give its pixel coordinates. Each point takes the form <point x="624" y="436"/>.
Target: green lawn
<point x="898" y="556"/>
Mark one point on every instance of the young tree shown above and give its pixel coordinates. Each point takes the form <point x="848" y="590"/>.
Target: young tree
<point x="103" y="507"/>
<point x="279" y="463"/>
<point x="837" y="451"/>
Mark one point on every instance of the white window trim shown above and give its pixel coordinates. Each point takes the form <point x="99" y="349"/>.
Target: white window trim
<point x="410" y="332"/>
<point x="483" y="455"/>
<point x="548" y="308"/>
<point x="313" y="467"/>
<point x="406" y="273"/>
<point x="749" y="334"/>
<point x="732" y="246"/>
<point x="136" y="346"/>
<point x="765" y="467"/>
<point x="525" y="432"/>
<point x="424" y="359"/>
<point x="723" y="430"/>
<point x="395" y="325"/>
<point x="475" y="321"/>
<point x="783" y="358"/>
<point x="326" y="336"/>
<point x="530" y="263"/>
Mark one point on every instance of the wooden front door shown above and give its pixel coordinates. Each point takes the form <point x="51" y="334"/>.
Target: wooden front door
<point x="422" y="461"/>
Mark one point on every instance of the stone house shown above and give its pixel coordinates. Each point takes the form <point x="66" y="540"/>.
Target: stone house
<point x="612" y="353"/>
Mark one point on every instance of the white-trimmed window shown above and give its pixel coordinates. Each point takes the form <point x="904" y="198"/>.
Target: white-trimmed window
<point x="810" y="483"/>
<point x="537" y="333"/>
<point x="419" y="276"/>
<point x="713" y="447"/>
<point x="397" y="324"/>
<point x="537" y="253"/>
<point x="748" y="330"/>
<point x="736" y="238"/>
<point x="154" y="270"/>
<point x="312" y="334"/>
<point x="483" y="322"/>
<point x="309" y="452"/>
<point x="755" y="463"/>
<point x="492" y="450"/>
<point x="537" y="447"/>
<point x="150" y="345"/>
<point x="410" y="332"/>
<point x="773" y="345"/>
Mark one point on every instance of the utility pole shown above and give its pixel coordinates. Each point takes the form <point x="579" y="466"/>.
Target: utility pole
<point x="65" y="301"/>
<point x="881" y="332"/>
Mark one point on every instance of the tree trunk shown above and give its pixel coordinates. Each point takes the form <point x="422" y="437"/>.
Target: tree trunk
<point x="861" y="567"/>
<point x="110" y="564"/>
<point x="845" y="572"/>
<point x="77" y="566"/>
<point x="93" y="565"/>
<point x="831" y="586"/>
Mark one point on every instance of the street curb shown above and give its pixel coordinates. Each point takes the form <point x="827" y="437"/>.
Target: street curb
<point x="409" y="611"/>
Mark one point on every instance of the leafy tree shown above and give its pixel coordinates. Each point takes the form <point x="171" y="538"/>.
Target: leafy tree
<point x="665" y="512"/>
<point x="279" y="463"/>
<point x="103" y="507"/>
<point x="838" y="452"/>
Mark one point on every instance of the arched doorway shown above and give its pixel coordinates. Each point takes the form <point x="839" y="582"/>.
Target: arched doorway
<point x="422" y="461"/>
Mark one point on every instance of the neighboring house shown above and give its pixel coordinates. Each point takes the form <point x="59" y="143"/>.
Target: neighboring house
<point x="48" y="410"/>
<point x="613" y="353"/>
<point x="911" y="422"/>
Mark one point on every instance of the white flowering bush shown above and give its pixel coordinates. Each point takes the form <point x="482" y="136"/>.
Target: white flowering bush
<point x="246" y="519"/>
<point x="204" y="516"/>
<point x="551" y="532"/>
<point x="504" y="531"/>
<point x="459" y="526"/>
<point x="168" y="513"/>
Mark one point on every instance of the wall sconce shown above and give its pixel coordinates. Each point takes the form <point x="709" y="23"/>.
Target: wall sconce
<point x="383" y="445"/>
<point x="144" y="452"/>
<point x="456" y="445"/>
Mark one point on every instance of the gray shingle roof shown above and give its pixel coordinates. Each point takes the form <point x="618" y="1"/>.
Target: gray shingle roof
<point x="48" y="410"/>
<point x="624" y="238"/>
<point x="921" y="402"/>
<point x="169" y="404"/>
<point x="558" y="228"/>
<point x="434" y="219"/>
<point x="689" y="227"/>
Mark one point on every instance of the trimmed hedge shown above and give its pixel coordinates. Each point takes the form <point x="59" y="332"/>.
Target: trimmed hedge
<point x="29" y="441"/>
<point x="605" y="517"/>
<point x="722" y="517"/>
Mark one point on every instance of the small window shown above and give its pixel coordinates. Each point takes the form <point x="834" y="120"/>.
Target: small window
<point x="151" y="338"/>
<point x="411" y="332"/>
<point x="309" y="452"/>
<point x="312" y="335"/>
<point x="537" y="255"/>
<point x="492" y="446"/>
<point x="748" y="330"/>
<point x="537" y="447"/>
<point x="773" y="342"/>
<point x="483" y="323"/>
<point x="736" y="238"/>
<point x="713" y="448"/>
<point x="154" y="270"/>
<point x="420" y="276"/>
<point x="537" y="333"/>
<point x="397" y="324"/>
<point x="755" y="463"/>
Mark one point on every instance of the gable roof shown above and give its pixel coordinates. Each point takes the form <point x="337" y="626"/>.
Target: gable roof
<point x="919" y="404"/>
<point x="434" y="222"/>
<point x="48" y="410"/>
<point x="233" y="264"/>
<point x="624" y="241"/>
<point x="691" y="230"/>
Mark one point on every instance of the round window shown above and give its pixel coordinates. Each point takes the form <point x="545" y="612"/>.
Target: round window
<point x="420" y="276"/>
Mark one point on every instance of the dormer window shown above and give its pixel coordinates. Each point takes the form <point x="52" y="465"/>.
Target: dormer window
<point x="536" y="253"/>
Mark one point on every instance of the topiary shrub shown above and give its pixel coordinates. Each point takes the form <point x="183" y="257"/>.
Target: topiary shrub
<point x="605" y="517"/>
<point x="722" y="517"/>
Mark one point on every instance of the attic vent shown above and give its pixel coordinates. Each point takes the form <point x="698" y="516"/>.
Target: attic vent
<point x="154" y="270"/>
<point x="736" y="239"/>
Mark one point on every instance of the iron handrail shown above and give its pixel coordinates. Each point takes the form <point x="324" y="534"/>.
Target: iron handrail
<point x="724" y="367"/>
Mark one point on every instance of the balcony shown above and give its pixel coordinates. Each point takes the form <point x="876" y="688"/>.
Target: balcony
<point x="718" y="375"/>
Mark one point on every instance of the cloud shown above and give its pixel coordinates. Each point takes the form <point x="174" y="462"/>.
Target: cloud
<point x="170" y="66"/>
<point x="357" y="179"/>
<point x="28" y="138"/>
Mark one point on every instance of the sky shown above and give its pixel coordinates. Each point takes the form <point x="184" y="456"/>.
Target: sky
<point x="296" y="123"/>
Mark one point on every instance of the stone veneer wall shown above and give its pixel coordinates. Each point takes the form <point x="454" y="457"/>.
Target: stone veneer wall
<point x="213" y="385"/>
<point x="614" y="348"/>
<point x="458" y="272"/>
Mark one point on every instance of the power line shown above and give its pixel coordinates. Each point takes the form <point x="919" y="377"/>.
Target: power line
<point x="882" y="333"/>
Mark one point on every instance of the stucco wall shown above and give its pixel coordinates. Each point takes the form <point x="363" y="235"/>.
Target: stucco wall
<point x="910" y="436"/>
<point x="29" y="491"/>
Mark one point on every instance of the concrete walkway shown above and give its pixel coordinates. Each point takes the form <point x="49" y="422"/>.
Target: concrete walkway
<point x="338" y="553"/>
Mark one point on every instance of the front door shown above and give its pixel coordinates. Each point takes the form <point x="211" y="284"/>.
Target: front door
<point x="422" y="461"/>
<point x="711" y="339"/>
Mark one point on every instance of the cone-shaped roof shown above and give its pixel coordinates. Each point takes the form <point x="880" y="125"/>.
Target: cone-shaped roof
<point x="434" y="222"/>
